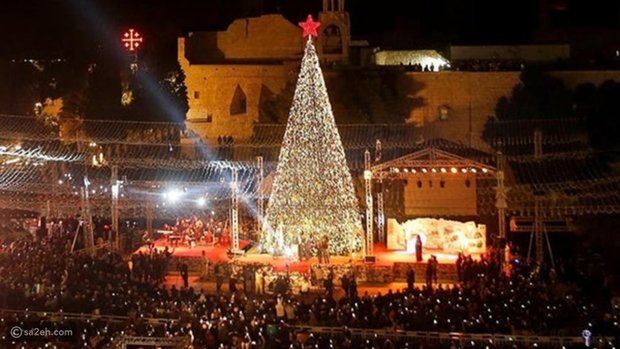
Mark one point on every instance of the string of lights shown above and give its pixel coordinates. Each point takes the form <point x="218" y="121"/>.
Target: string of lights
<point x="354" y="136"/>
<point x="313" y="195"/>
<point x="42" y="161"/>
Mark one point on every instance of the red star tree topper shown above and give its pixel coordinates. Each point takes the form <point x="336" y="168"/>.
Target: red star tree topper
<point x="309" y="27"/>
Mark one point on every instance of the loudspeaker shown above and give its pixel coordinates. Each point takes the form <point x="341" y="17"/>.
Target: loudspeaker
<point x="369" y="259"/>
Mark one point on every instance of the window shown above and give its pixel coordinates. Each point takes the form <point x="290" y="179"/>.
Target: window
<point x="196" y="94"/>
<point x="332" y="40"/>
<point x="442" y="184"/>
<point x="239" y="103"/>
<point x="209" y="118"/>
<point x="444" y="112"/>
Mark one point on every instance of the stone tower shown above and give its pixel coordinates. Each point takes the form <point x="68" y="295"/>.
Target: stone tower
<point x="335" y="36"/>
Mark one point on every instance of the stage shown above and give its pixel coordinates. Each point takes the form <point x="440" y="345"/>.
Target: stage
<point x="395" y="261"/>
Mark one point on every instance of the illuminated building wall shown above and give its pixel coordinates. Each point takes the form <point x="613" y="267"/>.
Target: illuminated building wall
<point x="252" y="58"/>
<point x="261" y="55"/>
<point x="425" y="58"/>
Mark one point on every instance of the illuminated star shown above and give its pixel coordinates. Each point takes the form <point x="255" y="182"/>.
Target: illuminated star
<point x="309" y="27"/>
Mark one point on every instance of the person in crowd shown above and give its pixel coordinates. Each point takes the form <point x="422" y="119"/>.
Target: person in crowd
<point x="410" y="279"/>
<point x="429" y="272"/>
<point x="219" y="278"/>
<point x="418" y="249"/>
<point x="324" y="245"/>
<point x="232" y="283"/>
<point x="280" y="312"/>
<point x="329" y="284"/>
<point x="459" y="266"/>
<point x="259" y="283"/>
<point x="319" y="251"/>
<point x="344" y="282"/>
<point x="183" y="270"/>
<point x="434" y="269"/>
<point x="352" y="287"/>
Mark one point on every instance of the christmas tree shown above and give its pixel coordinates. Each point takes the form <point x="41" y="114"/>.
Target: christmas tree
<point x="313" y="194"/>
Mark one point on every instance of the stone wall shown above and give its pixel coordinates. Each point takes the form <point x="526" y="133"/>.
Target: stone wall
<point x="254" y="38"/>
<point x="470" y="98"/>
<point x="211" y="87"/>
<point x="455" y="105"/>
<point x="211" y="90"/>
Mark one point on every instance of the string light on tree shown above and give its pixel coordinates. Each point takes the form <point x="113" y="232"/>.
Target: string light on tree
<point x="313" y="193"/>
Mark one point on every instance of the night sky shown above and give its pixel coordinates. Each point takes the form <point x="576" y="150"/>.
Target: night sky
<point x="42" y="28"/>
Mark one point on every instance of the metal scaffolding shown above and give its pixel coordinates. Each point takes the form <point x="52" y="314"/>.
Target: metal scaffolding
<point x="380" y="205"/>
<point x="501" y="202"/>
<point x="235" y="211"/>
<point x="115" y="187"/>
<point x="368" y="252"/>
<point x="259" y="197"/>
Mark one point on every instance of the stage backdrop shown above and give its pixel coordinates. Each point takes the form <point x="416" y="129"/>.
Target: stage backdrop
<point x="441" y="195"/>
<point x="437" y="234"/>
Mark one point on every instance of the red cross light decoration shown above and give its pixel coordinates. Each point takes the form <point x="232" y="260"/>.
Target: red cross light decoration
<point x="309" y="27"/>
<point x="131" y="40"/>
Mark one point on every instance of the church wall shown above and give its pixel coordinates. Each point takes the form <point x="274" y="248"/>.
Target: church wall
<point x="254" y="38"/>
<point x="471" y="97"/>
<point x="466" y="99"/>
<point x="214" y="86"/>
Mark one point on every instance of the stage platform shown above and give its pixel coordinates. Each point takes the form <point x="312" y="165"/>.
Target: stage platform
<point x="396" y="263"/>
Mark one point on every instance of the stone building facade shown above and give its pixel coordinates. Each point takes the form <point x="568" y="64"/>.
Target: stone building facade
<point x="228" y="74"/>
<point x="456" y="105"/>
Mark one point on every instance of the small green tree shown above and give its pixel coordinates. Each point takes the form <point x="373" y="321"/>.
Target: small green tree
<point x="537" y="96"/>
<point x="173" y="84"/>
<point x="159" y="92"/>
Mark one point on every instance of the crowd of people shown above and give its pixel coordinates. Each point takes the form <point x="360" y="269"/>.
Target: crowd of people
<point x="43" y="275"/>
<point x="469" y="65"/>
<point x="494" y="65"/>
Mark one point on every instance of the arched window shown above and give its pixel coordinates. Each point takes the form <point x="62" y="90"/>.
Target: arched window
<point x="332" y="40"/>
<point x="444" y="112"/>
<point x="239" y="103"/>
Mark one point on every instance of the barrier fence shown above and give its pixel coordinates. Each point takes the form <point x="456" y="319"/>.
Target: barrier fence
<point x="58" y="316"/>
<point x="364" y="333"/>
<point x="437" y="337"/>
